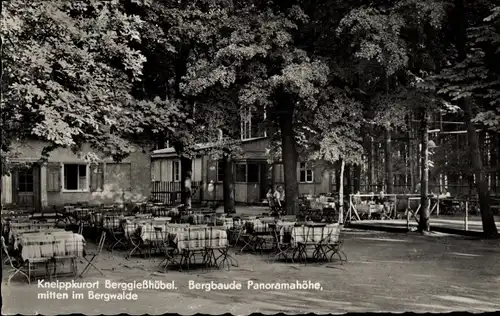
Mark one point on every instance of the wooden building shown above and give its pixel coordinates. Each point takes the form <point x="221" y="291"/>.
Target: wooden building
<point x="253" y="175"/>
<point x="67" y="177"/>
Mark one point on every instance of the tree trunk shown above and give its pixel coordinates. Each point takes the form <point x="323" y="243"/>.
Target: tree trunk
<point x="357" y="178"/>
<point x="337" y="177"/>
<point x="489" y="227"/>
<point x="348" y="177"/>
<point x="371" y="165"/>
<point x="341" y="192"/>
<point x="289" y="158"/>
<point x="228" y="184"/>
<point x="424" y="222"/>
<point x="186" y="177"/>
<point x="389" y="177"/>
<point x="493" y="162"/>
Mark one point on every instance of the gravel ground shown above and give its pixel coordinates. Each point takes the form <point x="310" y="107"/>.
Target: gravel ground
<point x="385" y="273"/>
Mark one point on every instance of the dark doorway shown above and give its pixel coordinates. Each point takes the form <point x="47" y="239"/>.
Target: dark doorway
<point x="26" y="187"/>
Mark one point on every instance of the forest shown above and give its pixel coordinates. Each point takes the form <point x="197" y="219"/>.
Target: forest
<point x="400" y="95"/>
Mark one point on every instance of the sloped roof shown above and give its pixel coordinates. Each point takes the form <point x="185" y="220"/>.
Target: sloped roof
<point x="170" y="151"/>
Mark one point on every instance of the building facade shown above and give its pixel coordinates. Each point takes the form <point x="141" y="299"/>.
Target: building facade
<point x="67" y="177"/>
<point x="252" y="174"/>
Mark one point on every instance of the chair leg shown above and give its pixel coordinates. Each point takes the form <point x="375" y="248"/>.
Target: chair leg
<point x="16" y="272"/>
<point x="89" y="262"/>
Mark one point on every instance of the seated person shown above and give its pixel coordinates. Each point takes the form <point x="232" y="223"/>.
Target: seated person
<point x="357" y="198"/>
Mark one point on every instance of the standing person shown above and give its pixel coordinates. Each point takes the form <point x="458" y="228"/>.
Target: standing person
<point x="270" y="199"/>
<point x="277" y="197"/>
<point x="282" y="196"/>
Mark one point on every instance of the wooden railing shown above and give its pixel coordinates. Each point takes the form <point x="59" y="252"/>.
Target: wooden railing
<point x="169" y="192"/>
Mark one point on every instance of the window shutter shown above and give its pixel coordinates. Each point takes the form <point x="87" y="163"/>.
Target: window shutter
<point x="96" y="177"/>
<point x="53" y="177"/>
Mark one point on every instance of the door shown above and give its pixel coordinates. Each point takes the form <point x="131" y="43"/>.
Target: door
<point x="26" y="190"/>
<point x="265" y="179"/>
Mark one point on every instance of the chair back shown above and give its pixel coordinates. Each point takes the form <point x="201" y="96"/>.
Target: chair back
<point x="6" y="251"/>
<point x="159" y="233"/>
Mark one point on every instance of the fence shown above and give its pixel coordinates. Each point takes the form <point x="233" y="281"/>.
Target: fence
<point x="455" y="190"/>
<point x="169" y="192"/>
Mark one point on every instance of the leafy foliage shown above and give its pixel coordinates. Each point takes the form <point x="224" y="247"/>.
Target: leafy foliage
<point x="476" y="74"/>
<point x="67" y="72"/>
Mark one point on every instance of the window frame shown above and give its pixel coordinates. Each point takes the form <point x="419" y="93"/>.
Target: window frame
<point x="246" y="124"/>
<point x="24" y="174"/>
<point x="220" y="164"/>
<point x="303" y="167"/>
<point x="236" y="172"/>
<point x="258" y="172"/>
<point x="87" y="177"/>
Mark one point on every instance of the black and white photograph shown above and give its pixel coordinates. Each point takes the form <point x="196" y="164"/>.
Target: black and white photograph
<point x="250" y="156"/>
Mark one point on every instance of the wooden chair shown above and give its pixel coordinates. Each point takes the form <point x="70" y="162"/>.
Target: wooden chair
<point x="334" y="245"/>
<point x="23" y="268"/>
<point x="16" y="266"/>
<point x="117" y="233"/>
<point x="94" y="255"/>
<point x="282" y="244"/>
<point x="166" y="248"/>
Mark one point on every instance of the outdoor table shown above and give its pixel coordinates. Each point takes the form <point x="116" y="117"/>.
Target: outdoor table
<point x="25" y="226"/>
<point x="227" y="222"/>
<point x="206" y="241"/>
<point x="44" y="247"/>
<point x="253" y="234"/>
<point x="197" y="218"/>
<point x="189" y="242"/>
<point x="140" y="232"/>
<point x="162" y="219"/>
<point x="310" y="224"/>
<point x="267" y="220"/>
<point x="15" y="233"/>
<point x="317" y="236"/>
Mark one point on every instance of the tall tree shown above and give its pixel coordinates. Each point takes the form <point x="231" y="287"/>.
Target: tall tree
<point x="472" y="80"/>
<point x="68" y="69"/>
<point x="257" y="57"/>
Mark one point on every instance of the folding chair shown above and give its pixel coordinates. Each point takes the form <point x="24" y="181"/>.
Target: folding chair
<point x="14" y="264"/>
<point x="247" y="236"/>
<point x="167" y="250"/>
<point x="282" y="244"/>
<point x="328" y="233"/>
<point x="116" y="231"/>
<point x="334" y="245"/>
<point x="94" y="256"/>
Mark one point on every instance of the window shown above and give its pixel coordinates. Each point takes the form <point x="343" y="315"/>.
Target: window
<point x="253" y="173"/>
<point x="306" y="173"/>
<point x="252" y="123"/>
<point x="176" y="171"/>
<point x="220" y="171"/>
<point x="75" y="177"/>
<point x="25" y="178"/>
<point x="241" y="173"/>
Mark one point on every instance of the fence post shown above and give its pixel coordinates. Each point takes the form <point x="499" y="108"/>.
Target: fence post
<point x="466" y="215"/>
<point x="408" y="219"/>
<point x="437" y="207"/>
